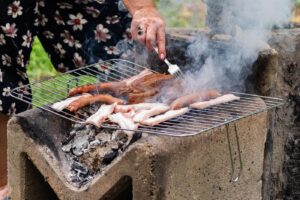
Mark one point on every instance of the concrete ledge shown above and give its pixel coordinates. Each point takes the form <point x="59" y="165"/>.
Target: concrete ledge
<point x="159" y="167"/>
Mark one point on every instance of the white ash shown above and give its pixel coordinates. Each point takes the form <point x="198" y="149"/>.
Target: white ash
<point x="89" y="149"/>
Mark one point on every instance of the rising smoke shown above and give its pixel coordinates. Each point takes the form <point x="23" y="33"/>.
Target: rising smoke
<point x="249" y="22"/>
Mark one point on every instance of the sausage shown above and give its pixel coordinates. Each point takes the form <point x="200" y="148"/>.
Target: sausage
<point x="186" y="100"/>
<point x="151" y="81"/>
<point x="222" y="99"/>
<point x="85" y="101"/>
<point x="134" y="98"/>
<point x="110" y="87"/>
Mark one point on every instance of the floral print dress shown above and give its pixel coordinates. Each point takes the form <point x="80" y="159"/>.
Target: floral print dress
<point x="74" y="33"/>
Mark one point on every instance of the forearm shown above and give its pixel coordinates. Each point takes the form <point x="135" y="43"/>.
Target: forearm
<point x="135" y="5"/>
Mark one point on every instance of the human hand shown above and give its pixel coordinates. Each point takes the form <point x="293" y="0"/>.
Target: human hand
<point x="148" y="27"/>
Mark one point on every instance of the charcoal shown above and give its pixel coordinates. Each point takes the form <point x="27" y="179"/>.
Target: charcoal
<point x="109" y="157"/>
<point x="104" y="137"/>
<point x="79" y="168"/>
<point x="119" y="135"/>
<point x="80" y="143"/>
<point x="67" y="148"/>
<point x="77" y="152"/>
<point x="92" y="132"/>
<point x="95" y="143"/>
<point x="91" y="139"/>
<point x="78" y="127"/>
<point x="89" y="148"/>
<point x="68" y="139"/>
<point x="115" y="147"/>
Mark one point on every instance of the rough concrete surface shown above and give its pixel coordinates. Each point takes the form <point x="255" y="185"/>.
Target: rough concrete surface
<point x="158" y="167"/>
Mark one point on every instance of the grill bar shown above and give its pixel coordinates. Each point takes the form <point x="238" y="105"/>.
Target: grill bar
<point x="194" y="122"/>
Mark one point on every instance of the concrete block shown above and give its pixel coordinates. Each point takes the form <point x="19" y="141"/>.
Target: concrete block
<point x="154" y="167"/>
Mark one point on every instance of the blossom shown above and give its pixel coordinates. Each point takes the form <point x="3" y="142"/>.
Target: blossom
<point x="68" y="38"/>
<point x="112" y="20"/>
<point x="2" y="40"/>
<point x="101" y="33"/>
<point x="77" y="21"/>
<point x="1" y="76"/>
<point x="22" y="90"/>
<point x="58" y="18"/>
<point x="20" y="58"/>
<point x="27" y="39"/>
<point x="111" y="50"/>
<point x="78" y="61"/>
<point x="41" y="20"/>
<point x="59" y="50"/>
<point x="10" y="30"/>
<point x="100" y="1"/>
<point x="6" y="60"/>
<point x="64" y="5"/>
<point x="23" y="75"/>
<point x="1" y="108"/>
<point x="48" y="34"/>
<point x="127" y="34"/>
<point x="40" y="3"/>
<point x="6" y="91"/>
<point x="92" y="11"/>
<point x="15" y="9"/>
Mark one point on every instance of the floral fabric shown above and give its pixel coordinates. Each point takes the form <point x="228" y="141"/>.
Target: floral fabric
<point x="74" y="33"/>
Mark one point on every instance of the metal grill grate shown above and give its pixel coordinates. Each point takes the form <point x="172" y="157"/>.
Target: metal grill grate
<point x="194" y="122"/>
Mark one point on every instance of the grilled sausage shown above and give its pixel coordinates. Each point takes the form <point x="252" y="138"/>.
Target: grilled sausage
<point x="85" y="101"/>
<point x="222" y="99"/>
<point x="194" y="97"/>
<point x="110" y="87"/>
<point x="134" y="98"/>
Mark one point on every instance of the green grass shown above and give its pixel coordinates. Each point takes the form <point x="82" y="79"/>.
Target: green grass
<point x="40" y="65"/>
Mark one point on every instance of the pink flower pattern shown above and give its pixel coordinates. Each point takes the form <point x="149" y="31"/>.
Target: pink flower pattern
<point x="101" y="33"/>
<point x="77" y="21"/>
<point x="27" y="39"/>
<point x="15" y="9"/>
<point x="10" y="30"/>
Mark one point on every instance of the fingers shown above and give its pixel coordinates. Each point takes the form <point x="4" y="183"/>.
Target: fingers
<point x="151" y="37"/>
<point x="150" y="33"/>
<point x="133" y="29"/>
<point x="161" y="42"/>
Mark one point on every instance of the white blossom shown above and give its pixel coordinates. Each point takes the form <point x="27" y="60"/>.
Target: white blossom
<point x="78" y="61"/>
<point x="10" y="30"/>
<point x="27" y="39"/>
<point x="59" y="50"/>
<point x="101" y="33"/>
<point x="111" y="50"/>
<point x="6" y="91"/>
<point x="2" y="40"/>
<point x="6" y="60"/>
<point x="77" y="21"/>
<point x="15" y="9"/>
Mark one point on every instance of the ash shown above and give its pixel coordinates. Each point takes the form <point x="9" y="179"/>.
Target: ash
<point x="89" y="149"/>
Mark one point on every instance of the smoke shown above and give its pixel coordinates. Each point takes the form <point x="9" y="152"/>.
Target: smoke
<point x="226" y="65"/>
